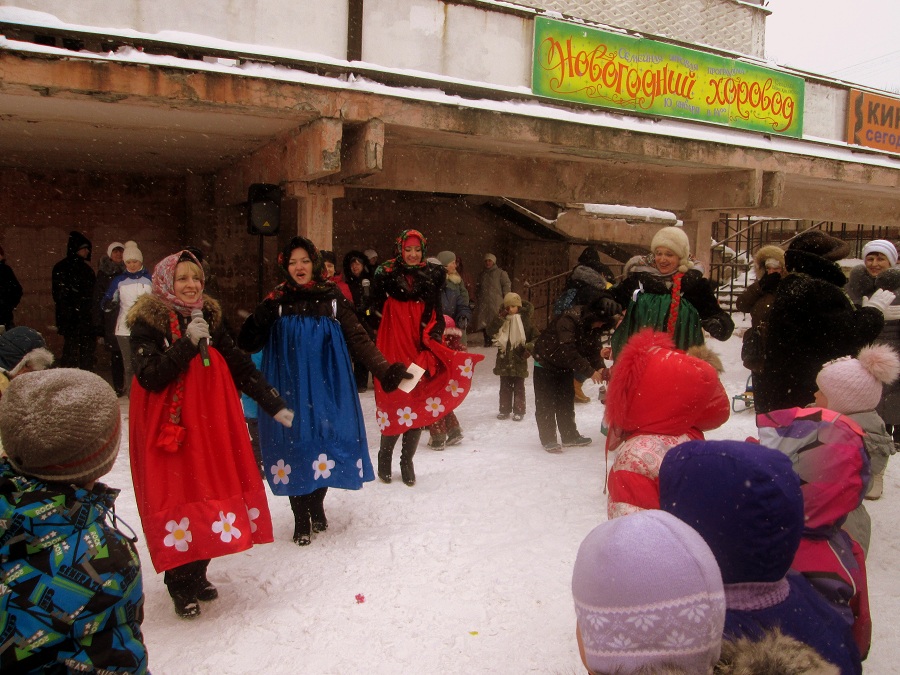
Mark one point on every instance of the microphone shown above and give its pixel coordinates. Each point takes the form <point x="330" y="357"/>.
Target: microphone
<point x="203" y="345"/>
<point x="365" y="283"/>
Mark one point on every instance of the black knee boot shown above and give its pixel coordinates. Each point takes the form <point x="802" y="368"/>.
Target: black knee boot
<point x="302" y="525"/>
<point x="407" y="450"/>
<point x="385" y="457"/>
<point x="317" y="510"/>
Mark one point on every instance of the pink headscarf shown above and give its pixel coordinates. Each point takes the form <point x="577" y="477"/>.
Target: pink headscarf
<point x="164" y="282"/>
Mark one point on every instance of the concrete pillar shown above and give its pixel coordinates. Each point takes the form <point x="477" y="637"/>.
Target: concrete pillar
<point x="699" y="232"/>
<point x="314" y="213"/>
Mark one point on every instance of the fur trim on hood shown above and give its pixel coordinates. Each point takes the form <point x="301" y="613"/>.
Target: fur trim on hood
<point x="763" y="254"/>
<point x="704" y="353"/>
<point x="154" y="312"/>
<point x="773" y="653"/>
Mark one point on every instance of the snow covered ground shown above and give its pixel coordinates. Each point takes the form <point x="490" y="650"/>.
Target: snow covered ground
<point x="467" y="572"/>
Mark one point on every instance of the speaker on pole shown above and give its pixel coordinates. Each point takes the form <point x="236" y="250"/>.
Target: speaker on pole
<point x="263" y="209"/>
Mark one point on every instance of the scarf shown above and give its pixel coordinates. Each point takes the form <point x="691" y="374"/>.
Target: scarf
<point x="388" y="266"/>
<point x="163" y="282"/>
<point x="511" y="333"/>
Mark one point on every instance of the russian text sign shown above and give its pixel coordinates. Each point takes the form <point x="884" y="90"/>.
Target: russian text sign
<point x="577" y="63"/>
<point x="873" y="121"/>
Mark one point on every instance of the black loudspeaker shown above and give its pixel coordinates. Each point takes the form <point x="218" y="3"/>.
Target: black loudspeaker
<point x="263" y="209"/>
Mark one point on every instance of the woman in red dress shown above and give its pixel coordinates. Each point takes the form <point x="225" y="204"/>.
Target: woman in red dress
<point x="198" y="490"/>
<point x="407" y="293"/>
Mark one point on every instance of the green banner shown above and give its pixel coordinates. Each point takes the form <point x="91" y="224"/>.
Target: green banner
<point x="576" y="63"/>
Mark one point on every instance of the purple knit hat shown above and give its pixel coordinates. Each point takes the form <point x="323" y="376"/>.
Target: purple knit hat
<point x="648" y="592"/>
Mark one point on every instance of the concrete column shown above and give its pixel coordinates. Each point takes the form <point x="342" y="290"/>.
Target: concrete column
<point x="314" y="214"/>
<point x="699" y="232"/>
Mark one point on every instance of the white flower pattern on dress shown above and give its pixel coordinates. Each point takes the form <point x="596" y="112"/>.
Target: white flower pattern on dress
<point x="179" y="535"/>
<point x="280" y="472"/>
<point x="381" y="417"/>
<point x="322" y="466"/>
<point x="253" y="514"/>
<point x="360" y="467"/>
<point x="406" y="416"/>
<point x="453" y="387"/>
<point x="467" y="369"/>
<point x="434" y="405"/>
<point x="225" y="528"/>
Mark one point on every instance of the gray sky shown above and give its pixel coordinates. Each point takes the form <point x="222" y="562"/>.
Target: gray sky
<point x="852" y="40"/>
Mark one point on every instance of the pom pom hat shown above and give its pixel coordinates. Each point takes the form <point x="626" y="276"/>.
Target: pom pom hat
<point x="512" y="300"/>
<point x="60" y="425"/>
<point x="855" y="385"/>
<point x="648" y="592"/>
<point x="132" y="252"/>
<point x="674" y="239"/>
<point x="881" y="246"/>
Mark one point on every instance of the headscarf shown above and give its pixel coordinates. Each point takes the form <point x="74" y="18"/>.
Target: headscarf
<point x="163" y="284"/>
<point x="389" y="266"/>
<point x="318" y="270"/>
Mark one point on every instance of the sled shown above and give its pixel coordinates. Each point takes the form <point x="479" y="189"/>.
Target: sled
<point x="745" y="400"/>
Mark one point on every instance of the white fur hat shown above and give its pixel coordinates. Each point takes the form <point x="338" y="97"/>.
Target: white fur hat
<point x="881" y="246"/>
<point x="855" y="385"/>
<point x="674" y="239"/>
<point x="132" y="252"/>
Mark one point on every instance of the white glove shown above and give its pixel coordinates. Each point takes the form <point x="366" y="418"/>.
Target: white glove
<point x="197" y="329"/>
<point x="285" y="417"/>
<point x="880" y="300"/>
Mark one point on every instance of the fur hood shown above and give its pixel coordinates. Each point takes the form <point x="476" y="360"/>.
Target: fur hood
<point x="155" y="313"/>
<point x="763" y="254"/>
<point x="772" y="653"/>
<point x="860" y="284"/>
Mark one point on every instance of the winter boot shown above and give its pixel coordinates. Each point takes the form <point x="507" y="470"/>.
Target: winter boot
<point x="187" y="607"/>
<point x="454" y="436"/>
<point x="302" y="525"/>
<point x="407" y="451"/>
<point x="317" y="510"/>
<point x="876" y="487"/>
<point x="580" y="396"/>
<point x="385" y="457"/>
<point x="437" y="441"/>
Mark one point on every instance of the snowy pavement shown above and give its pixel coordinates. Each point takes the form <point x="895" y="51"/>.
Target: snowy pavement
<point x="467" y="572"/>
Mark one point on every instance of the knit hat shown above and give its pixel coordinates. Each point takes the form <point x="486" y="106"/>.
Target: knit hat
<point x="512" y="300"/>
<point x="132" y="252"/>
<point x="855" y="385"/>
<point x="446" y="257"/>
<point x="434" y="261"/>
<point x="674" y="239"/>
<point x="371" y="253"/>
<point x="112" y="247"/>
<point x="60" y="425"/>
<point x="22" y="346"/>
<point x="881" y="246"/>
<point x="648" y="592"/>
<point x="491" y="257"/>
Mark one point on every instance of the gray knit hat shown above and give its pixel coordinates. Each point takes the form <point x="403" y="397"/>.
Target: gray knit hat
<point x="446" y="257"/>
<point x="60" y="425"/>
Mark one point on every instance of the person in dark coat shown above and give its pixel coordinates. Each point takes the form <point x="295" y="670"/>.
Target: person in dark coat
<point x="10" y="292"/>
<point x="812" y="321"/>
<point x="666" y="290"/>
<point x="111" y="265"/>
<point x="22" y="350"/>
<point x="73" y="293"/>
<point x="745" y="501"/>
<point x="513" y="333"/>
<point x="356" y="284"/>
<point x="757" y="299"/>
<point x="569" y="347"/>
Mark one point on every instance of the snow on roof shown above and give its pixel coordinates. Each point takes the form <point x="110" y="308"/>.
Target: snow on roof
<point x="632" y="213"/>
<point x="599" y="117"/>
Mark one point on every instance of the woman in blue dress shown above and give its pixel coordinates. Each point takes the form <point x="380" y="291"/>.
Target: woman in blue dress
<point x="308" y="331"/>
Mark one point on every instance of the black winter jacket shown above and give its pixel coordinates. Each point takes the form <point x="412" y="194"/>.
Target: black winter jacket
<point x="569" y="344"/>
<point x="416" y="284"/>
<point x="73" y="288"/>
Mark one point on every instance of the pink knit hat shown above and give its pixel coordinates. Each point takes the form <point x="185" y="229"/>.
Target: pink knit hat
<point x="855" y="385"/>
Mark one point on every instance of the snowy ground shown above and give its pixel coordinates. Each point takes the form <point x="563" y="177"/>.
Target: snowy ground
<point x="467" y="572"/>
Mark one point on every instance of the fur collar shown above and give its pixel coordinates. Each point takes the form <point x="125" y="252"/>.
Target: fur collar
<point x="154" y="312"/>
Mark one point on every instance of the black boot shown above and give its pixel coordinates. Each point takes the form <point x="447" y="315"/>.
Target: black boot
<point x="407" y="451"/>
<point x="317" y="510"/>
<point x="302" y="525"/>
<point x="385" y="457"/>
